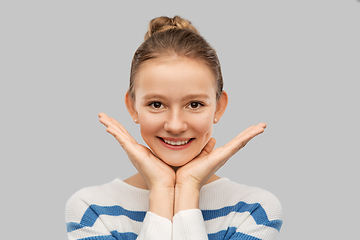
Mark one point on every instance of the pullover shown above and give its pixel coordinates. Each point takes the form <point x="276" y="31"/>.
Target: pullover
<point x="119" y="211"/>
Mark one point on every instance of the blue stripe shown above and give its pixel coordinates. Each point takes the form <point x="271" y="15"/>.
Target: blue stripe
<point x="124" y="236"/>
<point x="255" y="210"/>
<point x="231" y="233"/>
<point x="94" y="211"/>
<point x="105" y="237"/>
<point x="72" y="226"/>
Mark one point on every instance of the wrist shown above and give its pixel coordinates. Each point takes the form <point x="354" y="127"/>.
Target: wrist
<point x="186" y="197"/>
<point x="162" y="193"/>
<point x="161" y="202"/>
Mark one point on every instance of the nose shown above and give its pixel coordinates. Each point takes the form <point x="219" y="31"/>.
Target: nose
<point x="175" y="122"/>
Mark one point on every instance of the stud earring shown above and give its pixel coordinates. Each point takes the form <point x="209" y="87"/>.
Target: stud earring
<point x="215" y="120"/>
<point x="135" y="120"/>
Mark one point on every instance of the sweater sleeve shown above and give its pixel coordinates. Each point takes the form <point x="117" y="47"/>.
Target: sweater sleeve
<point x="155" y="227"/>
<point x="243" y="221"/>
<point x="189" y="224"/>
<point x="84" y="221"/>
<point x="263" y="219"/>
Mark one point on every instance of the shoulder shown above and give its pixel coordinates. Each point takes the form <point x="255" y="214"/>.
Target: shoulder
<point x="94" y="193"/>
<point x="91" y="211"/>
<point x="115" y="193"/>
<point x="80" y="201"/>
<point x="256" y="195"/>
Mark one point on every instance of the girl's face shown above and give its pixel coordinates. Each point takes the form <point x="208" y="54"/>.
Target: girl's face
<point x="175" y="105"/>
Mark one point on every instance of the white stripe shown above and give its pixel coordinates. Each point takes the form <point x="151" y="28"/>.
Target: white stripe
<point x="119" y="223"/>
<point x="106" y="224"/>
<point x="233" y="219"/>
<point x="86" y="232"/>
<point x="122" y="224"/>
<point x="249" y="227"/>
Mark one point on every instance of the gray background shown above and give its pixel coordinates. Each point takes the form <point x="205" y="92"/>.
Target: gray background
<point x="291" y="64"/>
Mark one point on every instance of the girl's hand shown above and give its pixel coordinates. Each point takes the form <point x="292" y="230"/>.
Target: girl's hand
<point x="157" y="174"/>
<point x="195" y="173"/>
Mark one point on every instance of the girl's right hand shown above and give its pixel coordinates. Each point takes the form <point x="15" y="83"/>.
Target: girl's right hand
<point x="157" y="174"/>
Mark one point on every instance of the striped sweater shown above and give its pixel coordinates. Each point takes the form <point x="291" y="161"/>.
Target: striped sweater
<point x="119" y="211"/>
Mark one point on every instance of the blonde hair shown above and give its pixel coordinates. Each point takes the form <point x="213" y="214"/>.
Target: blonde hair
<point x="161" y="24"/>
<point x="175" y="37"/>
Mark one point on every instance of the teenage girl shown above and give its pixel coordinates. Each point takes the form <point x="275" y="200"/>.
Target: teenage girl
<point x="175" y="95"/>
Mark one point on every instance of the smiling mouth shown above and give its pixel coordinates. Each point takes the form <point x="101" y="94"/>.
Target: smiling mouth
<point x="176" y="143"/>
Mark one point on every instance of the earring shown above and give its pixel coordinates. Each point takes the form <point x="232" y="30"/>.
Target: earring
<point x="215" y="120"/>
<point x="135" y="120"/>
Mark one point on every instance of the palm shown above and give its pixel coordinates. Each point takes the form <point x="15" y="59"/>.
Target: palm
<point x="154" y="171"/>
<point x="201" y="168"/>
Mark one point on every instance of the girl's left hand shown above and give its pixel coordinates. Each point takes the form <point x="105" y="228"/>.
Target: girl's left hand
<point x="195" y="173"/>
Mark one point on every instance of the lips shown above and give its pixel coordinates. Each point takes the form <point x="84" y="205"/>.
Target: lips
<point x="177" y="143"/>
<point x="172" y="142"/>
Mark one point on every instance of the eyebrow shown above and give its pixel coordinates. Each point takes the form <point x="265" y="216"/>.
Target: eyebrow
<point x="189" y="96"/>
<point x="196" y="96"/>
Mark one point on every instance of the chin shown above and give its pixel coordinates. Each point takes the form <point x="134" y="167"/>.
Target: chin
<point x="175" y="160"/>
<point x="175" y="163"/>
<point x="170" y="161"/>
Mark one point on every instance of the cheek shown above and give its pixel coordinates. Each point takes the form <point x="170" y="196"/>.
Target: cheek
<point x="203" y="125"/>
<point x="149" y="125"/>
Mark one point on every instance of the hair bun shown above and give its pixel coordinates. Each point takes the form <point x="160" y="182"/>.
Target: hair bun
<point x="163" y="23"/>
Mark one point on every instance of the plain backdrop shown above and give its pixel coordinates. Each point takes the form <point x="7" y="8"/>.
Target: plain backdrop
<point x="292" y="64"/>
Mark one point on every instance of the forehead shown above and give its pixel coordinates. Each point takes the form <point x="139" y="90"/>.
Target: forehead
<point x="175" y="76"/>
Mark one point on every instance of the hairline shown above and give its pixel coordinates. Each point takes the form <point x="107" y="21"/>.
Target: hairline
<point x="162" y="56"/>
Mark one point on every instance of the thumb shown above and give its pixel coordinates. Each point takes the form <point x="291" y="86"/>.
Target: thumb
<point x="208" y="147"/>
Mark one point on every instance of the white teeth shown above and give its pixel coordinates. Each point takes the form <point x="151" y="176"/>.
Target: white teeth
<point x="176" y="143"/>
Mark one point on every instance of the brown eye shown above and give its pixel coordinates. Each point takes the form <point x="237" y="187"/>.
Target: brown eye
<point x="195" y="105"/>
<point x="156" y="104"/>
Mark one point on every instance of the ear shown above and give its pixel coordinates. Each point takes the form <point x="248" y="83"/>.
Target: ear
<point x="221" y="106"/>
<point x="130" y="105"/>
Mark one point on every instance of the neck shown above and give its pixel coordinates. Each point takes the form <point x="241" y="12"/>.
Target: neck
<point x="138" y="181"/>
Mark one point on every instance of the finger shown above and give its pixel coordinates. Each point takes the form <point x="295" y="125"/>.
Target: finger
<point x="128" y="147"/>
<point x="109" y="121"/>
<point x="242" y="139"/>
<point x="208" y="147"/>
<point x="249" y="133"/>
<point x="238" y="137"/>
<point x="256" y="130"/>
<point x="125" y="142"/>
<point x="104" y="119"/>
<point x="116" y="123"/>
<point x="116" y="129"/>
<point x="102" y="115"/>
<point x="123" y="139"/>
<point x="118" y="135"/>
